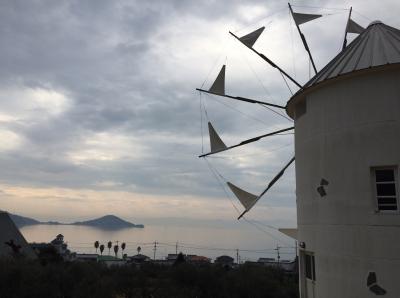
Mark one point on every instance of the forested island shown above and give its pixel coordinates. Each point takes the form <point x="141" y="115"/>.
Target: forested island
<point x="105" y="222"/>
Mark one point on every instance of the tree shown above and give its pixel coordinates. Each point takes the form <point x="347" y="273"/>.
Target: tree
<point x="109" y="245"/>
<point x="138" y="249"/>
<point x="180" y="259"/>
<point x="116" y="247"/>
<point x="96" y="245"/>
<point x="123" y="246"/>
<point x="101" y="249"/>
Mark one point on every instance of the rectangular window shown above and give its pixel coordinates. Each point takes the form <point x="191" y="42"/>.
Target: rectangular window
<point x="310" y="266"/>
<point x="386" y="188"/>
<point x="300" y="109"/>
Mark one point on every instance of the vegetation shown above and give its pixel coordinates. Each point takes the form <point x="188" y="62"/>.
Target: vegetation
<point x="101" y="249"/>
<point x="96" y="245"/>
<point x="22" y="278"/>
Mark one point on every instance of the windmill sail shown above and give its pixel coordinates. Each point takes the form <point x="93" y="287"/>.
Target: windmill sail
<point x="247" y="199"/>
<point x="353" y="27"/>
<point x="273" y="181"/>
<point x="251" y="38"/>
<point x="215" y="141"/>
<point x="301" y="18"/>
<point x="270" y="62"/>
<point x="219" y="84"/>
<point x="250" y="140"/>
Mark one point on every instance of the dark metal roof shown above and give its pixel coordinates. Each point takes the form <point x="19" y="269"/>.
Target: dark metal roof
<point x="377" y="45"/>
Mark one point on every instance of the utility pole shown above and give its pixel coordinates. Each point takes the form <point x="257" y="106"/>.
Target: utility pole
<point x="278" y="255"/>
<point x="154" y="250"/>
<point x="237" y="256"/>
<point x="176" y="247"/>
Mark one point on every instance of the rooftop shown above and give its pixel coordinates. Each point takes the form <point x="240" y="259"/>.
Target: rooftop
<point x="378" y="45"/>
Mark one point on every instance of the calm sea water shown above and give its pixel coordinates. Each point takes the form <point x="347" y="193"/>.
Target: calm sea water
<point x="206" y="241"/>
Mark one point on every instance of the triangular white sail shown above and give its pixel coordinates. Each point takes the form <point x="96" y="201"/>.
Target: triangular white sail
<point x="353" y="27"/>
<point x="219" y="84"/>
<point x="215" y="141"/>
<point x="251" y="38"/>
<point x="247" y="199"/>
<point x="301" y="18"/>
<point x="292" y="233"/>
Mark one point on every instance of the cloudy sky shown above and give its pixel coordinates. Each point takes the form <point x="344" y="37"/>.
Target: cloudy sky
<point x="99" y="112"/>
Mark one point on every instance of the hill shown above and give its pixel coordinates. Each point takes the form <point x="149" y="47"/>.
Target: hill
<point x="21" y="221"/>
<point x="109" y="222"/>
<point x="105" y="222"/>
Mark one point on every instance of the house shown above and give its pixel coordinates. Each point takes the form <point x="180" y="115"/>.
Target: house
<point x="59" y="244"/>
<point x="85" y="257"/>
<point x="12" y="243"/>
<point x="111" y="261"/>
<point x="225" y="261"/>
<point x="48" y="250"/>
<point x="138" y="259"/>
<point x="197" y="260"/>
<point x="286" y="265"/>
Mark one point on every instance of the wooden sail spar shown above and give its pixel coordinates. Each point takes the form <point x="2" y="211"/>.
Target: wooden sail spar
<point x="217" y="145"/>
<point x="247" y="199"/>
<point x="351" y="27"/>
<point x="218" y="88"/>
<point x="301" y="18"/>
<point x="265" y="58"/>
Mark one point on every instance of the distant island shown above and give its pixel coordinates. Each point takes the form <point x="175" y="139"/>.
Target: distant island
<point x="104" y="222"/>
<point x="108" y="221"/>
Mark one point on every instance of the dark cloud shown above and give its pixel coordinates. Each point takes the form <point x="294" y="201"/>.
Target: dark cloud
<point x="124" y="69"/>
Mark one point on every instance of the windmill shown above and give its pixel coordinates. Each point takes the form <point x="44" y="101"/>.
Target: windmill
<point x="217" y="145"/>
<point x="347" y="145"/>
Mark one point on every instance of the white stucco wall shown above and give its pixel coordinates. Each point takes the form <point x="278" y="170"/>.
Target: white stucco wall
<point x="350" y="126"/>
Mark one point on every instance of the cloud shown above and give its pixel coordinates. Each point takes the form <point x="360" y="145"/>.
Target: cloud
<point x="98" y="96"/>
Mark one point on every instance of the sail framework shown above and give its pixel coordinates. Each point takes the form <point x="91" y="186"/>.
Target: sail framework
<point x="217" y="145"/>
<point x="302" y="18"/>
<point x="351" y="27"/>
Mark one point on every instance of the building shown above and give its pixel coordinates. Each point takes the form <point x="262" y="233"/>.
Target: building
<point x="85" y="257"/>
<point x="347" y="144"/>
<point x="286" y="265"/>
<point x="59" y="244"/>
<point x="139" y="259"/>
<point x="49" y="250"/>
<point x="111" y="261"/>
<point x="225" y="261"/>
<point x="12" y="243"/>
<point x="197" y="260"/>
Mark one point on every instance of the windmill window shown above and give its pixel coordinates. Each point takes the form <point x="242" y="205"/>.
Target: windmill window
<point x="310" y="266"/>
<point x="386" y="188"/>
<point x="300" y="109"/>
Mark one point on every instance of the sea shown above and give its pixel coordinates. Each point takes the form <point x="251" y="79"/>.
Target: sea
<point x="242" y="242"/>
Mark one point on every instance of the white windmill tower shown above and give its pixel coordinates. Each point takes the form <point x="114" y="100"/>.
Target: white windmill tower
<point x="347" y="148"/>
<point x="347" y="144"/>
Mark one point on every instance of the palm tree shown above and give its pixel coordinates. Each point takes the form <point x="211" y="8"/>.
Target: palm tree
<point x="123" y="246"/>
<point x="101" y="249"/>
<point x="109" y="245"/>
<point x="96" y="245"/>
<point x="116" y="247"/>
<point x="138" y="249"/>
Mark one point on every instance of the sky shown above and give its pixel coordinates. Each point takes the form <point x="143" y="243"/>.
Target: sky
<point x="99" y="113"/>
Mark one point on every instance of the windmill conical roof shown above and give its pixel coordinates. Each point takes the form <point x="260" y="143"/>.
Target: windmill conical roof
<point x="378" y="45"/>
